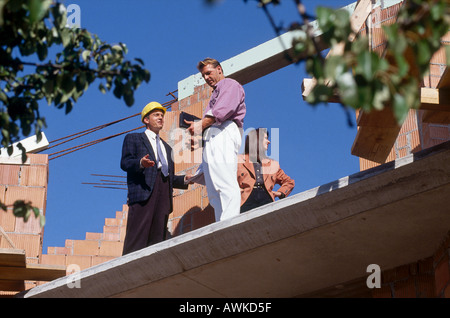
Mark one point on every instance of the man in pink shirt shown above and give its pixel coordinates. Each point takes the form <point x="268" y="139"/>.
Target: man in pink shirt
<point x="222" y="128"/>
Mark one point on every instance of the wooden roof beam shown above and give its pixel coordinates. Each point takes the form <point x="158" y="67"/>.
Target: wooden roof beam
<point x="37" y="272"/>
<point x="14" y="270"/>
<point x="436" y="101"/>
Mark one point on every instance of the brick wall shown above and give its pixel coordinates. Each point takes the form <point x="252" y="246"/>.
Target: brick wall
<point x="427" y="278"/>
<point x="415" y="134"/>
<point x="191" y="207"/>
<point x="95" y="249"/>
<point x="23" y="181"/>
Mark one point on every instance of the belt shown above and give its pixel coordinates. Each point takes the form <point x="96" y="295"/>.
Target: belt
<point x="258" y="187"/>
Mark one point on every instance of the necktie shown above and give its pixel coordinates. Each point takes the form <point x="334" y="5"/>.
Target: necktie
<point x="161" y="158"/>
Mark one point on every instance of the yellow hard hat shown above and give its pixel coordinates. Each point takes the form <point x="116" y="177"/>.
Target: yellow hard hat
<point x="149" y="107"/>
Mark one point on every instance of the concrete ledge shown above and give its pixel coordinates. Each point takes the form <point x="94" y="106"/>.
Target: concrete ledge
<point x="390" y="215"/>
<point x="30" y="144"/>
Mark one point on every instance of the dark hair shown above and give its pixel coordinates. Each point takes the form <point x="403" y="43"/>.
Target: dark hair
<point x="254" y="144"/>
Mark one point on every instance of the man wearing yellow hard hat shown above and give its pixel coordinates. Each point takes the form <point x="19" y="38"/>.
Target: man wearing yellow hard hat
<point x="147" y="160"/>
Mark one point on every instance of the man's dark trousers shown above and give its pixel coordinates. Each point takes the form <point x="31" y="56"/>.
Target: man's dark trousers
<point x="147" y="221"/>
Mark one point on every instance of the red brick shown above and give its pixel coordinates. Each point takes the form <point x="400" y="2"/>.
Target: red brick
<point x="402" y="141"/>
<point x="120" y="215"/>
<point x="37" y="196"/>
<point x="58" y="250"/>
<point x="405" y="288"/>
<point x="112" y="222"/>
<point x="81" y="247"/>
<point x="442" y="274"/>
<point x="31" y="243"/>
<point x="111" y="237"/>
<point x="123" y="231"/>
<point x="34" y="175"/>
<point x="69" y="244"/>
<point x="31" y="226"/>
<point x="383" y="292"/>
<point x="439" y="132"/>
<point x="7" y="220"/>
<point x="38" y="159"/>
<point x="110" y="229"/>
<point x="446" y="292"/>
<point x="9" y="174"/>
<point x="82" y="261"/>
<point x="110" y="248"/>
<point x="425" y="266"/>
<point x="93" y="236"/>
<point x="53" y="259"/>
<point x="101" y="259"/>
<point x="425" y="287"/>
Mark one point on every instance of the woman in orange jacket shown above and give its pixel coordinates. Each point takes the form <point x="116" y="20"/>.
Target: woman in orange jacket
<point x="258" y="174"/>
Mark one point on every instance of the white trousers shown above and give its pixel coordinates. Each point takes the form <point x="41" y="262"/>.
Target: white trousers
<point x="219" y="165"/>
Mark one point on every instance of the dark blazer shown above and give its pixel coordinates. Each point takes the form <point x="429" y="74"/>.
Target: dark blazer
<point x="141" y="181"/>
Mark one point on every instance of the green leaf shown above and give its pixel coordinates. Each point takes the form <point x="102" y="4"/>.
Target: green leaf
<point x="101" y="87"/>
<point x="364" y="95"/>
<point x="402" y="64"/>
<point x="437" y="10"/>
<point x="41" y="220"/>
<point x="323" y="17"/>
<point x="48" y="86"/>
<point x="334" y="67"/>
<point x="3" y="97"/>
<point x="129" y="98"/>
<point x="320" y="93"/>
<point x="392" y="34"/>
<point x="382" y="95"/>
<point x="85" y="55"/>
<point x="81" y="82"/>
<point x="140" y="61"/>
<point x="314" y="66"/>
<point x="36" y="211"/>
<point x="118" y="90"/>
<point x="423" y="52"/>
<point x="400" y="108"/>
<point x="368" y="64"/>
<point x="65" y="36"/>
<point x="69" y="106"/>
<point x="42" y="51"/>
<point x="348" y="90"/>
<point x="67" y="84"/>
<point x="38" y="9"/>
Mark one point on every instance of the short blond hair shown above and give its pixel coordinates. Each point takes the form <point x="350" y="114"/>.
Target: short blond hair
<point x="208" y="61"/>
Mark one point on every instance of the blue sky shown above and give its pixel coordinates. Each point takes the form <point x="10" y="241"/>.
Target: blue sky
<point x="171" y="36"/>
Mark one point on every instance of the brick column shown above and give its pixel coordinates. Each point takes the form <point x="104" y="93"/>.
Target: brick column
<point x="23" y="181"/>
<point x="191" y="207"/>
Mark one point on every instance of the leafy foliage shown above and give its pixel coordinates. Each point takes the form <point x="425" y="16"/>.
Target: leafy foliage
<point x="363" y="79"/>
<point x="41" y="58"/>
<point x="30" y="29"/>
